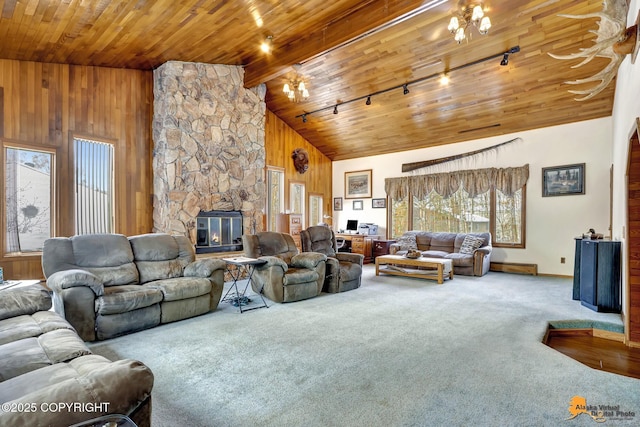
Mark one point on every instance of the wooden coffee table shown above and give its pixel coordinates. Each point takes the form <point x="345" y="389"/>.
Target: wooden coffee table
<point x="422" y="268"/>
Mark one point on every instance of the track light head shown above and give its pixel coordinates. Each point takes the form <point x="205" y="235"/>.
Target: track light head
<point x="335" y="109"/>
<point x="368" y="100"/>
<point x="405" y="89"/>
<point x="505" y="59"/>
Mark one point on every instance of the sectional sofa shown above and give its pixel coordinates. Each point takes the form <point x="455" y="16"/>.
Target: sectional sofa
<point x="48" y="376"/>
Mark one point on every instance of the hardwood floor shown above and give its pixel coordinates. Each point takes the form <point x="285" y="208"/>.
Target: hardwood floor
<point x="595" y="352"/>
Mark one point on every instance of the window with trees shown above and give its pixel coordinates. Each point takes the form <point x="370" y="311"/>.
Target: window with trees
<point x="484" y="200"/>
<point x="29" y="199"/>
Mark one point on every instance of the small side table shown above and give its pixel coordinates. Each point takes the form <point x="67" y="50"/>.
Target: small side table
<point x="241" y="299"/>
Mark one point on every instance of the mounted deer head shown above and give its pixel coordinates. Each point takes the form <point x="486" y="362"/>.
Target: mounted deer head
<point x="613" y="41"/>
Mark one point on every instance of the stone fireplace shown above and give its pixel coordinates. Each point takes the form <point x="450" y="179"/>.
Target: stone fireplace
<point x="209" y="153"/>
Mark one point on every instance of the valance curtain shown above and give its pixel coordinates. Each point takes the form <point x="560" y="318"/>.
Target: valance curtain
<point x="474" y="182"/>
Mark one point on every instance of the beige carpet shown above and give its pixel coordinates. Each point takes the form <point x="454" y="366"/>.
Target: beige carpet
<point x="395" y="352"/>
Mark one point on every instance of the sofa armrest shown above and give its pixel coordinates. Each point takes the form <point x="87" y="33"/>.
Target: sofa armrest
<point x="350" y="257"/>
<point x="308" y="260"/>
<point x="481" y="261"/>
<point x="26" y="300"/>
<point x="204" y="267"/>
<point x="272" y="261"/>
<point x="73" y="278"/>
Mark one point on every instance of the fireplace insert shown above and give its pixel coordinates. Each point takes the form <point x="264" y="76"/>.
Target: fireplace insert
<point x="218" y="231"/>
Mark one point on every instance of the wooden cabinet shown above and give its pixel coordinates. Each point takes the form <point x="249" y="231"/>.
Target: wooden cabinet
<point x="290" y="224"/>
<point x="381" y="247"/>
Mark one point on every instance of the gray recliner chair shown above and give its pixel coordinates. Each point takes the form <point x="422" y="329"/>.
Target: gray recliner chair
<point x="344" y="270"/>
<point x="287" y="275"/>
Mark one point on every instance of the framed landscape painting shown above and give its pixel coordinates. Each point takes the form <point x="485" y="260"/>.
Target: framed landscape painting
<point x="357" y="184"/>
<point x="563" y="180"/>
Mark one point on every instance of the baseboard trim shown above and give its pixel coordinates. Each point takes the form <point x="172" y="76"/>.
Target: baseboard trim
<point x="510" y="267"/>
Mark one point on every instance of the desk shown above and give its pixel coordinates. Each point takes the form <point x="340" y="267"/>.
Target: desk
<point x="241" y="299"/>
<point x="360" y="244"/>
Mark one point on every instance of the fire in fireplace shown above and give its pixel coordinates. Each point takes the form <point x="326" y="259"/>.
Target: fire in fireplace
<point x="218" y="231"/>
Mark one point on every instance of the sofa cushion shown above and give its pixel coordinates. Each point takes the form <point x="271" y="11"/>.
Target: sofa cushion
<point x="407" y="241"/>
<point x="435" y="254"/>
<point x="23" y="300"/>
<point x="460" y="260"/>
<point x="29" y="354"/>
<point x="161" y="256"/>
<point x="107" y="256"/>
<point x="470" y="244"/>
<point x="121" y="299"/>
<point x="123" y="384"/>
<point x="27" y="326"/>
<point x="296" y="276"/>
<point x="444" y="242"/>
<point x="180" y="288"/>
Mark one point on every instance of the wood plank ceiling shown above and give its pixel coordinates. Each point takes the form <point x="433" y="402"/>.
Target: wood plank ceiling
<point x="348" y="49"/>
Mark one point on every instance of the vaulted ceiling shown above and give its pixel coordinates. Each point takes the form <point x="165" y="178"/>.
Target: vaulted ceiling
<point x="347" y="50"/>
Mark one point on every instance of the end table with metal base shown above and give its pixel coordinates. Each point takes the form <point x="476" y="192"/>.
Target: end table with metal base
<point x="237" y="298"/>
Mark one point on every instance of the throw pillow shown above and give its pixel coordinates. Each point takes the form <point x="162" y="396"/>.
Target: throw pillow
<point x="470" y="244"/>
<point x="407" y="241"/>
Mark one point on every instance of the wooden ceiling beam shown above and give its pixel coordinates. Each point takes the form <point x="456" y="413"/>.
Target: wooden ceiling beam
<point x="362" y="21"/>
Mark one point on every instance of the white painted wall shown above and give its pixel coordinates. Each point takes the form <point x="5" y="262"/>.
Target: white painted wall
<point x="626" y="110"/>
<point x="552" y="222"/>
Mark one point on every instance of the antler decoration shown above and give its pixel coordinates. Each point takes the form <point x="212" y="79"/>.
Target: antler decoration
<point x="613" y="41"/>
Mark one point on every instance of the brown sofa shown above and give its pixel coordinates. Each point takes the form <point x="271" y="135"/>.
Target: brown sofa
<point x="108" y="285"/>
<point x="48" y="376"/>
<point x="448" y="245"/>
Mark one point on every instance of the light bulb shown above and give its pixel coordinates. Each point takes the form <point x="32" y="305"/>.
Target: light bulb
<point x="477" y="14"/>
<point x="453" y="25"/>
<point x="485" y="24"/>
<point x="459" y="35"/>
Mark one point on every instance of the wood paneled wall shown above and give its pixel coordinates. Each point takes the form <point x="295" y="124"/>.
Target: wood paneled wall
<point x="45" y="105"/>
<point x="280" y="141"/>
<point x="632" y="325"/>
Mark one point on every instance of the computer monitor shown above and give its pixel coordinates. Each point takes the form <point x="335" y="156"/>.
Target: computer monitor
<point x="352" y="225"/>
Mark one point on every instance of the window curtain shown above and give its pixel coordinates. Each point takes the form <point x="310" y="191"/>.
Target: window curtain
<point x="474" y="182"/>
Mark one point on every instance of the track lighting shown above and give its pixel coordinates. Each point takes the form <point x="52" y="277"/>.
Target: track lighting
<point x="505" y="56"/>
<point x="444" y="78"/>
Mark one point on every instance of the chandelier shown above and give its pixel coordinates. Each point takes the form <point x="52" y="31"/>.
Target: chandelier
<point x="470" y="15"/>
<point x="294" y="88"/>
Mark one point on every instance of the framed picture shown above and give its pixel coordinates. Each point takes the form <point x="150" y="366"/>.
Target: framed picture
<point x="357" y="184"/>
<point x="357" y="205"/>
<point x="563" y="180"/>
<point x="337" y="203"/>
<point x="378" y="203"/>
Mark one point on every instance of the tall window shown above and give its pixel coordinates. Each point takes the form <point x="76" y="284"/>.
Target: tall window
<point x="94" y="184"/>
<point x="28" y="183"/>
<point x="498" y="206"/>
<point x="275" y="196"/>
